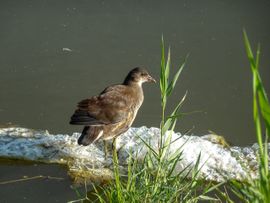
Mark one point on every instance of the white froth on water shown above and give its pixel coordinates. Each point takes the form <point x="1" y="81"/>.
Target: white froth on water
<point x="217" y="161"/>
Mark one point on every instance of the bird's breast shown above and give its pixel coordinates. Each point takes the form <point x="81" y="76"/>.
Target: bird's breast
<point x="137" y="98"/>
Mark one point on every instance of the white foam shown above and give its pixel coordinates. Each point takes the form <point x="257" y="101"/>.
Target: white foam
<point x="217" y="162"/>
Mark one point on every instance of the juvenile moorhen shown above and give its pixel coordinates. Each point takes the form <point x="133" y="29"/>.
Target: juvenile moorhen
<point x="113" y="111"/>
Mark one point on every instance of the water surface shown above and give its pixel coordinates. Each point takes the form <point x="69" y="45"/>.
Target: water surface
<point x="55" y="53"/>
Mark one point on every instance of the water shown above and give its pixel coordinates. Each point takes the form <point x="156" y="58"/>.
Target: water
<point x="53" y="54"/>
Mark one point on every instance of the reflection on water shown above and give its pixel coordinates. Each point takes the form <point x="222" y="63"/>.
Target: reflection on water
<point x="54" y="53"/>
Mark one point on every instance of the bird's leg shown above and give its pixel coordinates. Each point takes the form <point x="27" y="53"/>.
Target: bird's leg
<point x="105" y="149"/>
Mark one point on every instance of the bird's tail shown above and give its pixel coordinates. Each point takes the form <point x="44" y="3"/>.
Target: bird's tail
<point x="90" y="134"/>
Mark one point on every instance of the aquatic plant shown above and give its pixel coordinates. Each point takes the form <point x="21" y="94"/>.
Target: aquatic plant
<point x="154" y="178"/>
<point x="256" y="190"/>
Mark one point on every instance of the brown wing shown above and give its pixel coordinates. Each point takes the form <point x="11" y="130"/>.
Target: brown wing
<point x="111" y="106"/>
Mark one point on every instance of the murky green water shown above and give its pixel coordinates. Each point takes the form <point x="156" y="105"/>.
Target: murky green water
<point x="55" y="53"/>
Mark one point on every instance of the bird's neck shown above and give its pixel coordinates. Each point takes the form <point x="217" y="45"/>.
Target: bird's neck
<point x="131" y="83"/>
<point x="136" y="90"/>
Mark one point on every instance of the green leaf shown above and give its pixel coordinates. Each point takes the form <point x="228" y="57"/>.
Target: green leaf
<point x="167" y="68"/>
<point x="249" y="51"/>
<point x="173" y="116"/>
<point x="175" y="78"/>
<point x="207" y="198"/>
<point x="162" y="67"/>
<point x="149" y="147"/>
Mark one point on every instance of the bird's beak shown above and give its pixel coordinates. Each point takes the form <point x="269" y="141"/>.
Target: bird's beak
<point x="150" y="79"/>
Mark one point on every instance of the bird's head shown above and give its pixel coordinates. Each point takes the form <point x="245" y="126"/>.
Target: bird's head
<point x="138" y="75"/>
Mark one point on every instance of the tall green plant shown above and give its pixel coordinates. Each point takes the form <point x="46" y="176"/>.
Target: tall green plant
<point x="258" y="190"/>
<point x="155" y="179"/>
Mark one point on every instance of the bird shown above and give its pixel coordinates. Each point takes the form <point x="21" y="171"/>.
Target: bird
<point x="112" y="112"/>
